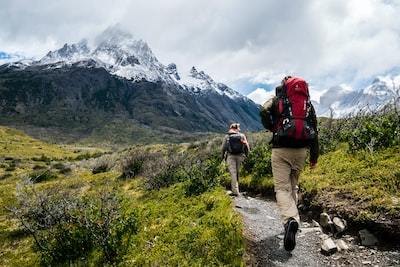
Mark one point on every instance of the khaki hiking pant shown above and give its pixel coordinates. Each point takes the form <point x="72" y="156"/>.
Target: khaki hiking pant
<point x="234" y="162"/>
<point x="287" y="164"/>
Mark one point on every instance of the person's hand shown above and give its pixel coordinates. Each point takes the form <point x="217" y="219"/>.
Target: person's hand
<point x="313" y="165"/>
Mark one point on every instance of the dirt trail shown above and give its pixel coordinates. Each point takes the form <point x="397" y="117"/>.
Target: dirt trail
<point x="264" y="239"/>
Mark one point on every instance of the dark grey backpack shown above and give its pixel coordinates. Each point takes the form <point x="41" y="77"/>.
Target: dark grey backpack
<point x="235" y="144"/>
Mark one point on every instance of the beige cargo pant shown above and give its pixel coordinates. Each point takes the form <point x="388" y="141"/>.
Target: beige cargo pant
<point x="287" y="164"/>
<point x="233" y="162"/>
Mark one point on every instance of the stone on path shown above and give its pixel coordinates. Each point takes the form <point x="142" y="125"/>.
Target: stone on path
<point x="340" y="224"/>
<point x="310" y="229"/>
<point x="324" y="236"/>
<point x="315" y="223"/>
<point x="328" y="246"/>
<point x="341" y="244"/>
<point x="324" y="219"/>
<point x="367" y="239"/>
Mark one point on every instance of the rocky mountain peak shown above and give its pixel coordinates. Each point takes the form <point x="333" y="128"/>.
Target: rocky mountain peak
<point x="69" y="52"/>
<point x="172" y="70"/>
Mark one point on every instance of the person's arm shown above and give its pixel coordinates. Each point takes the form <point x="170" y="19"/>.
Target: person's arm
<point x="224" y="148"/>
<point x="267" y="114"/>
<point x="247" y="146"/>
<point x="314" y="146"/>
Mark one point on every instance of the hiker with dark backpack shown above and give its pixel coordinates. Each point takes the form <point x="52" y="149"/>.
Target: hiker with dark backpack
<point x="234" y="148"/>
<point x="291" y="118"/>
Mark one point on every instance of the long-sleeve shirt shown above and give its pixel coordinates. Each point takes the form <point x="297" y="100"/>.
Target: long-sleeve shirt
<point x="225" y="143"/>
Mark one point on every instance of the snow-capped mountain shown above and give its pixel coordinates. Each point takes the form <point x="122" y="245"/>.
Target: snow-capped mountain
<point x="342" y="100"/>
<point x="122" y="55"/>
<point x="117" y="84"/>
<point x="199" y="82"/>
<point x="10" y="57"/>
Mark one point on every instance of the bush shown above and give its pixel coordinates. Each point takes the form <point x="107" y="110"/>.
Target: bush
<point x="88" y="155"/>
<point x="373" y="131"/>
<point x="199" y="169"/>
<point x="133" y="164"/>
<point x="62" y="168"/>
<point x="5" y="176"/>
<point x="67" y="227"/>
<point x="163" y="172"/>
<point x="41" y="176"/>
<point x="102" y="164"/>
<point x="258" y="163"/>
<point x="42" y="158"/>
<point x="38" y="167"/>
<point x="204" y="175"/>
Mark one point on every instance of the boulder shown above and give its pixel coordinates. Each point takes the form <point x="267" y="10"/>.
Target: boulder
<point x="340" y="224"/>
<point x="325" y="220"/>
<point x="328" y="246"/>
<point x="323" y="236"/>
<point x="342" y="245"/>
<point x="367" y="239"/>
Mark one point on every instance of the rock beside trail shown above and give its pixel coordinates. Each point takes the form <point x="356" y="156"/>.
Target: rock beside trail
<point x="326" y="222"/>
<point x="367" y="239"/>
<point x="340" y="224"/>
<point x="325" y="219"/>
<point x="342" y="245"/>
<point x="328" y="246"/>
<point x="315" y="223"/>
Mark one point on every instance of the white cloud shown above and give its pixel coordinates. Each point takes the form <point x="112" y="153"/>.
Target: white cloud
<point x="260" y="95"/>
<point x="326" y="42"/>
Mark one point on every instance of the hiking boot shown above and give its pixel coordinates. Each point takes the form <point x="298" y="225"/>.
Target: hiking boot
<point x="289" y="240"/>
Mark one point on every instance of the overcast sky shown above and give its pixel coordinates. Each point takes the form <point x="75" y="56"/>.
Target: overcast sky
<point x="246" y="44"/>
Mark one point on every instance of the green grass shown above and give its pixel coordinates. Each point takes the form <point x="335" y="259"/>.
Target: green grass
<point x="362" y="185"/>
<point x="187" y="231"/>
<point x="174" y="229"/>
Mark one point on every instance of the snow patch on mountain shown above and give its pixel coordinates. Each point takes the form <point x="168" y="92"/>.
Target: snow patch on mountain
<point x="342" y="100"/>
<point x="121" y="54"/>
<point x="200" y="82"/>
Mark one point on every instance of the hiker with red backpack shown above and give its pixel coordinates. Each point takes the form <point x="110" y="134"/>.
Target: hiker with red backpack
<point x="291" y="118"/>
<point x="234" y="148"/>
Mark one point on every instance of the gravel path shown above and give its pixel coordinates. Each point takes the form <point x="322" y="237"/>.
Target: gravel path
<point x="264" y="240"/>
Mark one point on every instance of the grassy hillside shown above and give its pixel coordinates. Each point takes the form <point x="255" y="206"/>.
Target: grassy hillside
<point x="172" y="224"/>
<point x="363" y="186"/>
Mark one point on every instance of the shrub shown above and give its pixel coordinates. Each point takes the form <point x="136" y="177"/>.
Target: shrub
<point x="41" y="176"/>
<point x="163" y="172"/>
<point x="373" y="131"/>
<point x="67" y="227"/>
<point x="38" y="167"/>
<point x="133" y="164"/>
<point x="88" y="155"/>
<point x="62" y="168"/>
<point x="5" y="176"/>
<point x="42" y="158"/>
<point x="204" y="175"/>
<point x="102" y="164"/>
<point x="258" y="163"/>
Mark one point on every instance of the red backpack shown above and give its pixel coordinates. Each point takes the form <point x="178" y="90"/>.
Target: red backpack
<point x="294" y="111"/>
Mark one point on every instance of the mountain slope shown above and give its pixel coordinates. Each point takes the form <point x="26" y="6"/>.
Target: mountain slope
<point x="344" y="101"/>
<point x="81" y="99"/>
<point x="118" y="84"/>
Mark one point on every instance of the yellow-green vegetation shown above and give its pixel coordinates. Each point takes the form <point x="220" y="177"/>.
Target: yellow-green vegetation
<point x="15" y="144"/>
<point x="172" y="227"/>
<point x="263" y="185"/>
<point x="186" y="231"/>
<point x="361" y="185"/>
